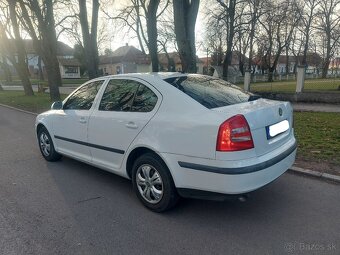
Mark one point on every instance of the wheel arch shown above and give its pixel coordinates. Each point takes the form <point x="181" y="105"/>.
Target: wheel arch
<point x="136" y="153"/>
<point x="39" y="127"/>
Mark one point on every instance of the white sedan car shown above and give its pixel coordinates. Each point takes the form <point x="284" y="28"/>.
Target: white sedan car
<point x="173" y="134"/>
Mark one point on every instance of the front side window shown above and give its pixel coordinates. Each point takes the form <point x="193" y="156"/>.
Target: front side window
<point x="83" y="98"/>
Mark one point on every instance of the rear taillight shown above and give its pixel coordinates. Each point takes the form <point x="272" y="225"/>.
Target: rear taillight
<point x="234" y="135"/>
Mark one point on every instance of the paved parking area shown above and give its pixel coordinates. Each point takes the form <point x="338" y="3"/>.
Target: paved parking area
<point x="69" y="207"/>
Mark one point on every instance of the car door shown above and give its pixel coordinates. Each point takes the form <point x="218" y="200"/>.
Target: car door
<point x="70" y="123"/>
<point x="125" y="108"/>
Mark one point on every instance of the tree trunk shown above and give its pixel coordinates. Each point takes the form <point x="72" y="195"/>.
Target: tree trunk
<point x="252" y="35"/>
<point x="151" y="24"/>
<point x="53" y="76"/>
<point x="307" y="29"/>
<point x="241" y="63"/>
<point x="325" y="68"/>
<point x="305" y="50"/>
<point x="271" y="74"/>
<point x="230" y="38"/>
<point x="50" y="44"/>
<point x="185" y="14"/>
<point x="327" y="59"/>
<point x="46" y="43"/>
<point x="19" y="60"/>
<point x="287" y="60"/>
<point x="90" y="38"/>
<point x="41" y="73"/>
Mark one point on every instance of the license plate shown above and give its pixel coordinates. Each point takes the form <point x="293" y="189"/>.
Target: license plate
<point x="277" y="129"/>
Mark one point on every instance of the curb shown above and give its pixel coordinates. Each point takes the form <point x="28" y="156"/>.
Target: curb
<point x="329" y="177"/>
<point x="17" y="109"/>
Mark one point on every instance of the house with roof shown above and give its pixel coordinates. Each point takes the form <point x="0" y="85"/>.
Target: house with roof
<point x="313" y="66"/>
<point x="238" y="61"/>
<point x="126" y="59"/>
<point x="171" y="62"/>
<point x="69" y="66"/>
<point x="207" y="65"/>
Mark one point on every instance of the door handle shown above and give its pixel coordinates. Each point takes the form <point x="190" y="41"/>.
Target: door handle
<point x="82" y="120"/>
<point x="131" y="125"/>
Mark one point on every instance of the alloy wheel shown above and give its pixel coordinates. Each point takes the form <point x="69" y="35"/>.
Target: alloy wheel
<point x="45" y="144"/>
<point x="149" y="183"/>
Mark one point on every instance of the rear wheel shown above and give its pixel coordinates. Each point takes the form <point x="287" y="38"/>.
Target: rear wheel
<point x="153" y="183"/>
<point x="46" y="145"/>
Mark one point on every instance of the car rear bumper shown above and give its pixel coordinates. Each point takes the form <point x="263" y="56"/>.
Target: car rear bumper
<point x="230" y="177"/>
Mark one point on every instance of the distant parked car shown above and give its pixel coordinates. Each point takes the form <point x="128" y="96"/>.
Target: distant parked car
<point x="173" y="134"/>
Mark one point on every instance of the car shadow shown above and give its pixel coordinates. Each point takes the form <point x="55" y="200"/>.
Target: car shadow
<point x="105" y="208"/>
<point x="81" y="182"/>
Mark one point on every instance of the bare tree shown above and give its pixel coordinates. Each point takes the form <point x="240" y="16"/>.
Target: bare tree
<point x="296" y="47"/>
<point x="307" y="18"/>
<point x="185" y="14"/>
<point x="229" y="11"/>
<point x="15" y="48"/>
<point x="141" y="17"/>
<point x="90" y="36"/>
<point x="38" y="20"/>
<point x="329" y="26"/>
<point x="167" y="39"/>
<point x="215" y="34"/>
<point x="130" y="17"/>
<point x="255" y="10"/>
<point x="278" y="22"/>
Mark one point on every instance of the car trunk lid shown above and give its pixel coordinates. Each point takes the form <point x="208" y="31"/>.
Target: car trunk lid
<point x="263" y="117"/>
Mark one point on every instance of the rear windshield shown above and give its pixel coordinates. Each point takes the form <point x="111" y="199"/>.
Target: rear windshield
<point x="209" y="91"/>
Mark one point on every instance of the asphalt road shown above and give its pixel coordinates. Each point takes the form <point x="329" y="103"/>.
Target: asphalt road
<point x="72" y="208"/>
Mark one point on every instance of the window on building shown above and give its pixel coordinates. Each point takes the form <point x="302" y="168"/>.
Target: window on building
<point x="71" y="69"/>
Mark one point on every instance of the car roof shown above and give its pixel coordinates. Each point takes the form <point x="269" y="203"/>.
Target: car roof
<point x="159" y="75"/>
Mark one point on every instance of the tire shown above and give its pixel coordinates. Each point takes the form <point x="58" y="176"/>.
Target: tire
<point x="46" y="146"/>
<point x="156" y="191"/>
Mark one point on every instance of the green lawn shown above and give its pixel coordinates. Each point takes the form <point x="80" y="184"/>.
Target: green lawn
<point x="318" y="136"/>
<point x="38" y="103"/>
<point x="330" y="85"/>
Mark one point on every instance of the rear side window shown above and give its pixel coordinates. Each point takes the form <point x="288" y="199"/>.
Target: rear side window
<point x="83" y="98"/>
<point x="145" y="100"/>
<point x="128" y="96"/>
<point x="118" y="95"/>
<point x="209" y="91"/>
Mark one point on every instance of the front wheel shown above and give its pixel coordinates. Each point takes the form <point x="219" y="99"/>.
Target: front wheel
<point x="153" y="183"/>
<point x="46" y="145"/>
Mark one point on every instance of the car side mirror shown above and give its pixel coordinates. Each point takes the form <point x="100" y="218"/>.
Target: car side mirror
<point x="58" y="105"/>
